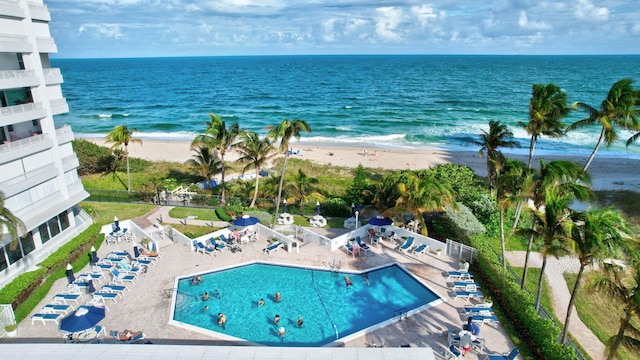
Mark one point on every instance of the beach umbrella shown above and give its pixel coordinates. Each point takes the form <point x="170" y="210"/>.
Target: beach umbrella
<point x="70" y="277"/>
<point x="84" y="318"/>
<point x="380" y="221"/>
<point x="94" y="256"/>
<point x="284" y="203"/>
<point x="116" y="222"/>
<point x="91" y="288"/>
<point x="246" y="220"/>
<point x="136" y="252"/>
<point x="317" y="208"/>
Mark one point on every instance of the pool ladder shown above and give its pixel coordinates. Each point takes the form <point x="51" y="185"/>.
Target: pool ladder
<point x="400" y="313"/>
<point x="313" y="281"/>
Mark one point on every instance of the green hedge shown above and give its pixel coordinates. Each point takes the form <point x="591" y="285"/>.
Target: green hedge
<point x="223" y="215"/>
<point x="541" y="334"/>
<point x="28" y="289"/>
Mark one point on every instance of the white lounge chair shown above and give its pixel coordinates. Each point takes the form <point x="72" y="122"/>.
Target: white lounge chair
<point x="274" y="247"/>
<point x="46" y="317"/>
<point x="68" y="297"/>
<point x="57" y="307"/>
<point x="467" y="295"/>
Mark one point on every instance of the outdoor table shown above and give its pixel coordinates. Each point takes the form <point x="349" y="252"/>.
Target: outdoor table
<point x="88" y="335"/>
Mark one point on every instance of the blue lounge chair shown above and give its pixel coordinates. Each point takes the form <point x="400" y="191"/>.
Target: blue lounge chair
<point x="56" y="307"/>
<point x="420" y="249"/>
<point x="351" y="250"/>
<point x="67" y="297"/>
<point x="407" y="244"/>
<point x="459" y="275"/>
<point x="114" y="288"/>
<point x="510" y="356"/>
<point x="119" y="277"/>
<point x="468" y="294"/>
<point x="364" y="247"/>
<point x="121" y="337"/>
<point x="465" y="284"/>
<point x="126" y="268"/>
<point x="103" y="296"/>
<point x="46" y="317"/>
<point x="274" y="247"/>
<point x="475" y="310"/>
<point x="452" y="352"/>
<point x="96" y="276"/>
<point x="205" y="249"/>
<point x="485" y="318"/>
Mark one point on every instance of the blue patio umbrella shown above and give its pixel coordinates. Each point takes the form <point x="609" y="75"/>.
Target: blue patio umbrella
<point x="91" y="288"/>
<point x="70" y="277"/>
<point x="116" y="222"/>
<point x="246" y="220"/>
<point x="94" y="256"/>
<point x="136" y="252"/>
<point x="84" y="318"/>
<point x="380" y="221"/>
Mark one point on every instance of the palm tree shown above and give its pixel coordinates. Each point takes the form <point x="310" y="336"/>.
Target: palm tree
<point x="255" y="153"/>
<point x="122" y="136"/>
<point x="598" y="234"/>
<point x="547" y="107"/>
<point x="553" y="225"/>
<point x="303" y="187"/>
<point x="206" y="162"/>
<point x="497" y="136"/>
<point x="422" y="194"/>
<point x="618" y="110"/>
<point x="617" y="284"/>
<point x="217" y="136"/>
<point x="10" y="222"/>
<point x="510" y="179"/>
<point x="284" y="132"/>
<point x="567" y="177"/>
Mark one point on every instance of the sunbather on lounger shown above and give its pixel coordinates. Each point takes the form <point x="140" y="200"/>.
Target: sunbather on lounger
<point x="128" y="335"/>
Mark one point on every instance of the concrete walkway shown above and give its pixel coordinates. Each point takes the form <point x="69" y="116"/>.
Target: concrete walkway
<point x="561" y="296"/>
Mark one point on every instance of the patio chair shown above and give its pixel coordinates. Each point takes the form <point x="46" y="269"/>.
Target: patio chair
<point x="467" y="295"/>
<point x="103" y="296"/>
<point x="128" y="269"/>
<point x="461" y="275"/>
<point x="67" y="297"/>
<point x="57" y="307"/>
<point x="274" y="247"/>
<point x="205" y="249"/>
<point x="44" y="317"/>
<point x="364" y="247"/>
<point x="407" y="244"/>
<point x="505" y="356"/>
<point x="452" y="352"/>
<point x="119" y="277"/>
<point x="128" y="337"/>
<point x="420" y="249"/>
<point x="485" y="318"/>
<point x="351" y="249"/>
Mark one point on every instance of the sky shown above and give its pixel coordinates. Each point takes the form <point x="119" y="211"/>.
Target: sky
<point x="153" y="28"/>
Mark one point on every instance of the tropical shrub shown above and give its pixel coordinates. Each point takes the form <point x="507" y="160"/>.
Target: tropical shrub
<point x="223" y="215"/>
<point x="335" y="207"/>
<point x="457" y="224"/>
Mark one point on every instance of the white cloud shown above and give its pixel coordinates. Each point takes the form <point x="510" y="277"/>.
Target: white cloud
<point x="524" y="23"/>
<point x="387" y="22"/>
<point x="423" y="13"/>
<point x="584" y="9"/>
<point x="112" y="31"/>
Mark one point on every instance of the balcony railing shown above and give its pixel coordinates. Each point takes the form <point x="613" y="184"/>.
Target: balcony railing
<point x="15" y="43"/>
<point x="70" y="162"/>
<point x="23" y="143"/>
<point x="59" y="106"/>
<point x="52" y="76"/>
<point x="20" y="109"/>
<point x="17" y="74"/>
<point x="46" y="44"/>
<point x="39" y="12"/>
<point x="64" y="134"/>
<point x="49" y="169"/>
<point x="11" y="8"/>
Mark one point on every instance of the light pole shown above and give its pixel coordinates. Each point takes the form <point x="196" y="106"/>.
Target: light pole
<point x="284" y="203"/>
<point x="356" y="213"/>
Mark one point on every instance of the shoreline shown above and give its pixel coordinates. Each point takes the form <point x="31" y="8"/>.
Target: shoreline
<point x="608" y="173"/>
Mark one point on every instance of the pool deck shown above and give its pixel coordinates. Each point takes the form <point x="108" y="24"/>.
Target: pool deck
<point x="146" y="305"/>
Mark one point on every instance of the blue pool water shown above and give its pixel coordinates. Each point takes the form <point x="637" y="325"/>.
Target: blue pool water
<point x="319" y="296"/>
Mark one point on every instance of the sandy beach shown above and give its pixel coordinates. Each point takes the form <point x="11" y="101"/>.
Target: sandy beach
<point x="607" y="173"/>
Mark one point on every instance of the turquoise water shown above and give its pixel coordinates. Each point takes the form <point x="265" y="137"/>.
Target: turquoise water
<point x="388" y="100"/>
<point x="320" y="297"/>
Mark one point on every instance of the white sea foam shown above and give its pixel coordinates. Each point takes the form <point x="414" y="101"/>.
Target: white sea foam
<point x="105" y="115"/>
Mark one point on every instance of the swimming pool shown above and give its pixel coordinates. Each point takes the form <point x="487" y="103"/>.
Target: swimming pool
<point x="330" y="310"/>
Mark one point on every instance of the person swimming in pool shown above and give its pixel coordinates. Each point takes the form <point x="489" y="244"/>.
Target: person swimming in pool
<point x="276" y="320"/>
<point x="347" y="281"/>
<point x="300" y="321"/>
<point x="216" y="294"/>
<point x="281" y="333"/>
<point x="222" y="320"/>
<point x="206" y="296"/>
<point x="278" y="297"/>
<point x="206" y="307"/>
<point x="366" y="278"/>
<point x="260" y="302"/>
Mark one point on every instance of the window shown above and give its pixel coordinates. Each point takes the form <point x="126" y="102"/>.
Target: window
<point x="13" y="251"/>
<point x="44" y="233"/>
<point x="64" y="220"/>
<point x="3" y="260"/>
<point x="20" y="61"/>
<point x="27" y="244"/>
<point x="54" y="228"/>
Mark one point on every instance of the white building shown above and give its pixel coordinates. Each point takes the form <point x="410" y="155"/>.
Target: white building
<point x="37" y="164"/>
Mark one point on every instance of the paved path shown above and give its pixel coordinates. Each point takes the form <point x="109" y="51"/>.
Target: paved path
<point x="561" y="296"/>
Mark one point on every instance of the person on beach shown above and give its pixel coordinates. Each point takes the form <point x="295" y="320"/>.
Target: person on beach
<point x="260" y="302"/>
<point x="206" y="296"/>
<point x="347" y="281"/>
<point x="276" y="320"/>
<point x="222" y="320"/>
<point x="278" y="297"/>
<point x="300" y="321"/>
<point x="216" y="294"/>
<point x="236" y="234"/>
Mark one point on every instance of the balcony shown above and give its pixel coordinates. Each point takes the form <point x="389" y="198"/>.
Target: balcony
<point x="28" y="180"/>
<point x="59" y="106"/>
<point x="24" y="147"/>
<point x="64" y="134"/>
<point x="46" y="45"/>
<point x="11" y="8"/>
<point x="70" y="162"/>
<point x="15" y="43"/>
<point x="24" y="112"/>
<point x="11" y="79"/>
<point x="39" y="12"/>
<point x="53" y="76"/>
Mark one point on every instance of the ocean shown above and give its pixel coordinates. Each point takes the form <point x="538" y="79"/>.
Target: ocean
<point x="396" y="101"/>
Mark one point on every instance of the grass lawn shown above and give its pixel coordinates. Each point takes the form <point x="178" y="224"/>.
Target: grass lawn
<point x="103" y="213"/>
<point x="193" y="231"/>
<point x="201" y="214"/>
<point x="600" y="313"/>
